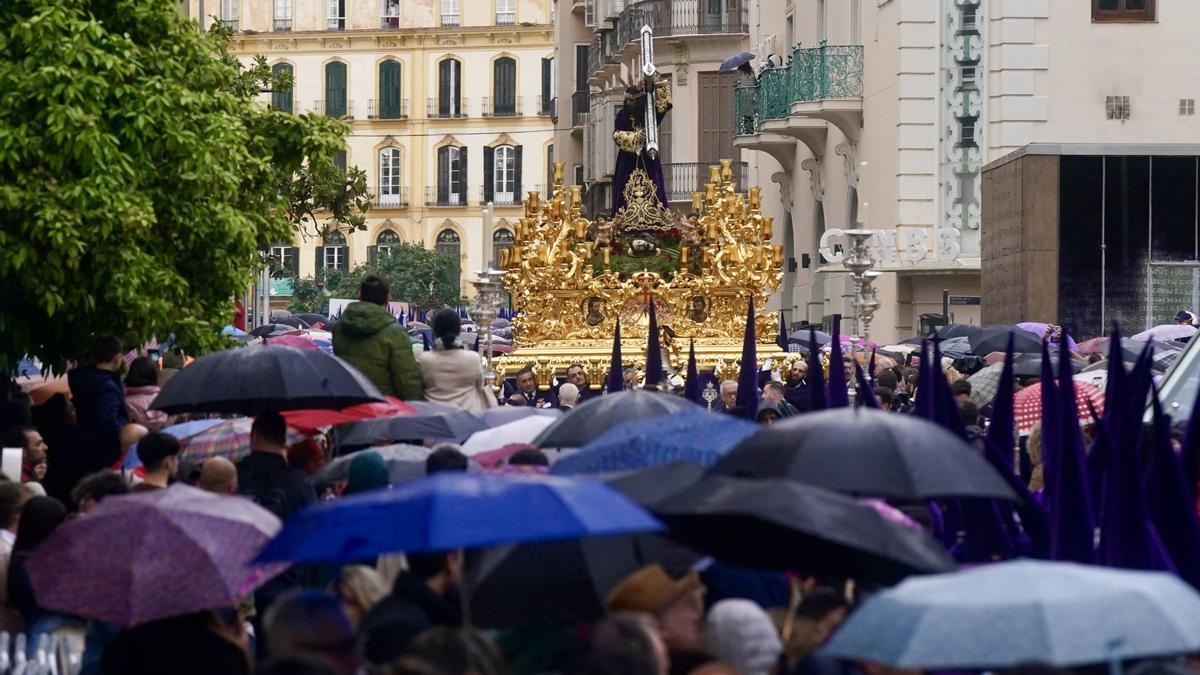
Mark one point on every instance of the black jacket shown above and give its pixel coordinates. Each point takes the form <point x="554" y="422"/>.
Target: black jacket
<point x="100" y="410"/>
<point x="410" y="609"/>
<point x="266" y="478"/>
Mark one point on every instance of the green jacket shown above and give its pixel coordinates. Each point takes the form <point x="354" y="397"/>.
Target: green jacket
<point x="370" y="340"/>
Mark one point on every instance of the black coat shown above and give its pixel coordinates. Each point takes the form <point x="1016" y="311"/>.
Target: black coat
<point x="266" y="478"/>
<point x="100" y="410"/>
<point x="409" y="610"/>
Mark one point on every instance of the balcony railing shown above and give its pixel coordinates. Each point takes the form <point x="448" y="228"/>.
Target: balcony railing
<point x="496" y="108"/>
<point x="330" y="108"/>
<point x="579" y="109"/>
<point x="811" y="74"/>
<point x="283" y="25"/>
<point x="335" y="23"/>
<point x="399" y="111"/>
<point x="231" y="24"/>
<point x="506" y="18"/>
<point x="668" y="18"/>
<point x="389" y="21"/>
<point x="684" y="178"/>
<point x="545" y="106"/>
<point x="451" y="19"/>
<point x="446" y="198"/>
<point x="503" y="198"/>
<point x="435" y="110"/>
<point x="391" y="196"/>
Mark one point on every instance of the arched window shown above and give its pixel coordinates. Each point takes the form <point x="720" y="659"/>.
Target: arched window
<point x="502" y="239"/>
<point x="332" y="253"/>
<point x="389" y="178"/>
<point x="449" y="243"/>
<point x="389" y="90"/>
<point x="384" y="243"/>
<point x="335" y="89"/>
<point x="281" y="99"/>
<point x="452" y="176"/>
<point x="502" y="174"/>
<point x="450" y="88"/>
<point x="504" y="86"/>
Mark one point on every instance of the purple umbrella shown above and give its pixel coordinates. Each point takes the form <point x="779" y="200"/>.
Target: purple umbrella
<point x="154" y="555"/>
<point x="1039" y="331"/>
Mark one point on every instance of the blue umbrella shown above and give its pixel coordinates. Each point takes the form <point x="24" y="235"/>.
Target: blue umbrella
<point x="997" y="616"/>
<point x="450" y="511"/>
<point x="695" y="436"/>
<point x="736" y="61"/>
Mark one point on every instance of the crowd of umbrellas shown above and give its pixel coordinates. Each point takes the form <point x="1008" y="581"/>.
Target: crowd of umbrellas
<point x="1103" y="563"/>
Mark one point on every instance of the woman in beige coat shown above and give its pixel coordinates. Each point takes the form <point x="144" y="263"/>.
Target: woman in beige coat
<point x="453" y="375"/>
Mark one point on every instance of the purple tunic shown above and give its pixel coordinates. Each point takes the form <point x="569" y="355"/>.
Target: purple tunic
<point x="628" y="161"/>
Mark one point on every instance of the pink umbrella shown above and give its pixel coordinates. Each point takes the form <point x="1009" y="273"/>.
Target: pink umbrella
<point x="292" y="340"/>
<point x="181" y="550"/>
<point x="494" y="458"/>
<point x="230" y="440"/>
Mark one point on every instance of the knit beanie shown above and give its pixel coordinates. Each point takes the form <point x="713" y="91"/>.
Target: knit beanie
<point x="740" y="633"/>
<point x="368" y="472"/>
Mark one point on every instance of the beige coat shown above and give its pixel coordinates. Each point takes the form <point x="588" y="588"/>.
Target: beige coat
<point x="455" y="377"/>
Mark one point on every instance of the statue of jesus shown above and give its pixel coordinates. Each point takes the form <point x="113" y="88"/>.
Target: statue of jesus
<point x="630" y="137"/>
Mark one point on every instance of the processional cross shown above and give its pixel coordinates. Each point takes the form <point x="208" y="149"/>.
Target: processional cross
<point x="650" y="75"/>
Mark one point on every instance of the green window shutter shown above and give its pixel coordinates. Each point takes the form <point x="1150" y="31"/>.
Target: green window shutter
<point x="281" y="99"/>
<point x="335" y="89"/>
<point x="294" y="253"/>
<point x="517" y="173"/>
<point x="320" y="266"/>
<point x="389" y="90"/>
<point x="372" y="254"/>
<point x="488" y="173"/>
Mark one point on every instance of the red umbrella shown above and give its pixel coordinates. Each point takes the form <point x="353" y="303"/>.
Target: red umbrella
<point x="290" y="340"/>
<point x="494" y="458"/>
<point x="310" y="420"/>
<point x="1028" y="405"/>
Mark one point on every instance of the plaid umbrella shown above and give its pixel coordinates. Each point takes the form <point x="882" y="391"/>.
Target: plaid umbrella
<point x="182" y="550"/>
<point x="1028" y="404"/>
<point x="230" y="439"/>
<point x="957" y="348"/>
<point x="985" y="384"/>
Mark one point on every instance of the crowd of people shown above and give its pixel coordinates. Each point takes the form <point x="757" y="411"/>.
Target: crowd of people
<point x="400" y="614"/>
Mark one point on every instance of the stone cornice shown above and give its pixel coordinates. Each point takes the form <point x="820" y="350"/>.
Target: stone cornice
<point x="458" y="37"/>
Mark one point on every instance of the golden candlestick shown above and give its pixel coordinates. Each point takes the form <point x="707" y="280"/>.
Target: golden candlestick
<point x="558" y="173"/>
<point x="581" y="226"/>
<point x="710" y="191"/>
<point x="576" y="196"/>
<point x="768" y="227"/>
<point x="534" y="199"/>
<point x="777" y="254"/>
<point x="504" y="256"/>
<point x="755" y="197"/>
<point x="727" y="169"/>
<point x="607" y="251"/>
<point x="714" y="174"/>
<point x="683" y="255"/>
<point x="697" y="201"/>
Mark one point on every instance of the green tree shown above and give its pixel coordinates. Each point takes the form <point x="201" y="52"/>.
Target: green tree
<point x="139" y="175"/>
<point x="409" y="270"/>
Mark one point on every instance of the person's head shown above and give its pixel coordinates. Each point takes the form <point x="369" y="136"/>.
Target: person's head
<point x="39" y="518"/>
<point x="458" y="651"/>
<point x="192" y="644"/>
<point x="799" y="371"/>
<point x="374" y="289"/>
<point x="884" y="396"/>
<point x="94" y="488"/>
<point x="773" y="392"/>
<point x="268" y="433"/>
<point x="568" y="394"/>
<point x="633" y="94"/>
<point x="629" y="375"/>
<point x="698" y="303"/>
<point x="577" y="376"/>
<point x="729" y="389"/>
<point x="969" y="413"/>
<point x="13" y="496"/>
<point x="306" y="455"/>
<point x="740" y="633"/>
<point x="678" y="604"/>
<point x="440" y="570"/>
<point x="594" y="305"/>
<point x="446" y="326"/>
<point x="767" y="414"/>
<point x="368" y="472"/>
<point x="624" y="642"/>
<point x="528" y="457"/>
<point x="446" y="457"/>
<point x="130" y="435"/>
<point x="159" y="452"/>
<point x="526" y="383"/>
<point x="962" y="391"/>
<point x="107" y="353"/>
<point x="218" y="475"/>
<point x="304" y="621"/>
<point x="359" y="587"/>
<point x="886" y="378"/>
<point x="826" y="608"/>
<point x="1185" y="318"/>
<point x="33" y="451"/>
<point x="142" y="373"/>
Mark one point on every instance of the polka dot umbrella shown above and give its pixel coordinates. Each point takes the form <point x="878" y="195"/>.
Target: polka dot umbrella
<point x="1028" y="405"/>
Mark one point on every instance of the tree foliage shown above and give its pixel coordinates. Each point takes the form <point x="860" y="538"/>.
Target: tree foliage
<point x="410" y="269"/>
<point x="139" y="176"/>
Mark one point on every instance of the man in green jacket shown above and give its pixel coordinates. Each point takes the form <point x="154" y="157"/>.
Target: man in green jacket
<point x="369" y="338"/>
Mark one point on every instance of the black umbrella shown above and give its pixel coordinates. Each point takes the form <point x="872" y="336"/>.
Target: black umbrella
<point x="1030" y="365"/>
<point x="311" y="318"/>
<point x="953" y="330"/>
<point x="251" y="380"/>
<point x="995" y="339"/>
<point x="431" y="420"/>
<point x="294" y="322"/>
<point x="783" y="525"/>
<point x="869" y="453"/>
<point x="804" y="339"/>
<point x="269" y="329"/>
<point x="563" y="581"/>
<point x="596" y="416"/>
<point x="650" y="486"/>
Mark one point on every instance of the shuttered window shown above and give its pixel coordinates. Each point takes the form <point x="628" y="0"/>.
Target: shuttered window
<point x="335" y="89"/>
<point x="449" y="85"/>
<point x="504" y="86"/>
<point x="449" y="243"/>
<point x="281" y="99"/>
<point x="716" y="117"/>
<point x="452" y="165"/>
<point x="389" y="90"/>
<point x="389" y="177"/>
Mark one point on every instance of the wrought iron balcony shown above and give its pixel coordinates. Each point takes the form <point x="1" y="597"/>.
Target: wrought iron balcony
<point x="579" y="109"/>
<point x="391" y="197"/>
<point x="283" y="25"/>
<point x="340" y="109"/>
<point x="231" y="24"/>
<point x="501" y="198"/>
<point x="392" y="110"/>
<point x="684" y="178"/>
<point x="828" y="72"/>
<point x="389" y="21"/>
<point x="448" y="198"/>
<point x="451" y="19"/>
<point x="453" y="110"/>
<point x="506" y="18"/>
<point x="675" y="18"/>
<point x="495" y="108"/>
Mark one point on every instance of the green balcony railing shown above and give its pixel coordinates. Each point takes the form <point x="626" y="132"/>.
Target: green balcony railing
<point x="812" y="74"/>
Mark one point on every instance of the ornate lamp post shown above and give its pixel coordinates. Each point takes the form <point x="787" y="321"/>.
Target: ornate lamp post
<point x="857" y="261"/>
<point x="484" y="308"/>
